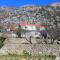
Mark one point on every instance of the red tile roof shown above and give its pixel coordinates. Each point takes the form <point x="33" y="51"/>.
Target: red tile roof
<point x="37" y="25"/>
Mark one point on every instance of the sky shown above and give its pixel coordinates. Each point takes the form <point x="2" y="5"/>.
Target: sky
<point x="26" y="2"/>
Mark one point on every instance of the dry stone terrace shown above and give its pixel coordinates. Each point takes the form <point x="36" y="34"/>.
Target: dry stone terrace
<point x="17" y="46"/>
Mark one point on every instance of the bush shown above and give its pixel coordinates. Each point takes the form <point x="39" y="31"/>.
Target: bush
<point x="2" y="39"/>
<point x="20" y="31"/>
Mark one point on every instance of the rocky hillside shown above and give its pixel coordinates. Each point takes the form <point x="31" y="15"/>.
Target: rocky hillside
<point x="46" y="15"/>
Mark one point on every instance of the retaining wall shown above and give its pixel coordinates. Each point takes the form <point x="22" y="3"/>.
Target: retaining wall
<point x="34" y="49"/>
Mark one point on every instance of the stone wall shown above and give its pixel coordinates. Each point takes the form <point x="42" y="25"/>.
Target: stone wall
<point x="17" y="48"/>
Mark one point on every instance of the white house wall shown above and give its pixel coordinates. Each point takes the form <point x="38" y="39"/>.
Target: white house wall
<point x="29" y="27"/>
<point x="32" y="27"/>
<point x="42" y="28"/>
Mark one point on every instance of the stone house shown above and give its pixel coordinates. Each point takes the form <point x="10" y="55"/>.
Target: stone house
<point x="32" y="29"/>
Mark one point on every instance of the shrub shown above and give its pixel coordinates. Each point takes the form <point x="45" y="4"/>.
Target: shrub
<point x="2" y="39"/>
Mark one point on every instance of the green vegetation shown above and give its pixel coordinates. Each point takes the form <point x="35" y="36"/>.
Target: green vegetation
<point x="23" y="57"/>
<point x="2" y="39"/>
<point x="20" y="31"/>
<point x="27" y="56"/>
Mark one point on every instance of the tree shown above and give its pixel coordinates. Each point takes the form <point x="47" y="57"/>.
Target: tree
<point x="19" y="31"/>
<point x="54" y="34"/>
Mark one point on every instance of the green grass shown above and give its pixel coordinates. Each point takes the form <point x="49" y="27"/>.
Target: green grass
<point x="26" y="57"/>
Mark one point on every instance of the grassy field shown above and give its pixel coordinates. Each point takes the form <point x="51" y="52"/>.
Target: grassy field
<point x="19" y="57"/>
